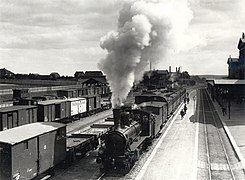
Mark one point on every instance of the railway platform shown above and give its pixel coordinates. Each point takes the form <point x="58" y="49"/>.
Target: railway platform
<point x="175" y="155"/>
<point x="182" y="153"/>
<point x="234" y="126"/>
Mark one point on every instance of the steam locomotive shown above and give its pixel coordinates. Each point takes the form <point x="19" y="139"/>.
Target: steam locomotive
<point x="135" y="129"/>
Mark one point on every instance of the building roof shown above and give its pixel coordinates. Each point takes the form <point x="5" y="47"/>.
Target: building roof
<point x="93" y="73"/>
<point x="162" y="71"/>
<point x="241" y="43"/>
<point x="101" y="79"/>
<point x="229" y="81"/>
<point x="28" y="131"/>
<point x="66" y="90"/>
<point x="226" y="82"/>
<point x="6" y="71"/>
<point x="15" y="108"/>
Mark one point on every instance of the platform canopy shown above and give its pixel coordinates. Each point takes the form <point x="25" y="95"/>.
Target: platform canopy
<point x="225" y="82"/>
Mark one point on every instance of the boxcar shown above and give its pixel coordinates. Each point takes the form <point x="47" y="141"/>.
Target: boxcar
<point x="77" y="106"/>
<point x="93" y="103"/>
<point x="52" y="110"/>
<point x="30" y="150"/>
<point x="14" y="116"/>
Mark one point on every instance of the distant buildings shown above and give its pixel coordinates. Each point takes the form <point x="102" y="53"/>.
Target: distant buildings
<point x="87" y="78"/>
<point x="237" y="65"/>
<point x="4" y="73"/>
<point x="90" y="78"/>
<point x="164" y="78"/>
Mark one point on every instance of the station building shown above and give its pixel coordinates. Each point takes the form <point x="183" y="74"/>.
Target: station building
<point x="232" y="88"/>
<point x="237" y="65"/>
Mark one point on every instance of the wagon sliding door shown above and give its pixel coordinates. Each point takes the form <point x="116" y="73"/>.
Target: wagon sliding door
<point x="46" y="151"/>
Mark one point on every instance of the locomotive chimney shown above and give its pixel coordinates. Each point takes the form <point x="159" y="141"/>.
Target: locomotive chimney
<point x="125" y="119"/>
<point x="117" y="117"/>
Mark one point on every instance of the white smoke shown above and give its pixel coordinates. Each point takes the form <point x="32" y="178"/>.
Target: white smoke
<point x="146" y="30"/>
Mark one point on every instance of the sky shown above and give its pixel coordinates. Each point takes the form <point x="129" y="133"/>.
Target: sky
<point x="44" y="36"/>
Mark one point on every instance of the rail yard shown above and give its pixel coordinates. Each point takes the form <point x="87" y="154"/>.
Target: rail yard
<point x="148" y="100"/>
<point x="195" y="146"/>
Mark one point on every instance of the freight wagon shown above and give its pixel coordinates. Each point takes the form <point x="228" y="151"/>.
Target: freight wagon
<point x="93" y="103"/>
<point x="81" y="142"/>
<point x="52" y="110"/>
<point x="78" y="145"/>
<point x="61" y="109"/>
<point x="30" y="150"/>
<point x="14" y="116"/>
<point x="77" y="107"/>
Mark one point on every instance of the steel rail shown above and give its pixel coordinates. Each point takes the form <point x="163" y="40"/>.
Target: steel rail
<point x="101" y="176"/>
<point x="206" y="136"/>
<point x="220" y="137"/>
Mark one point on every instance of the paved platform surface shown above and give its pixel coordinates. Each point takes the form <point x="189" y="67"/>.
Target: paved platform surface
<point x="176" y="154"/>
<point x="235" y="126"/>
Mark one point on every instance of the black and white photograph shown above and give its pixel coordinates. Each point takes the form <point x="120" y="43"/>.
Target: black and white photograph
<point x="122" y="90"/>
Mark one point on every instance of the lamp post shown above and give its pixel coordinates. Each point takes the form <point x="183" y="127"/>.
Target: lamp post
<point x="229" y="104"/>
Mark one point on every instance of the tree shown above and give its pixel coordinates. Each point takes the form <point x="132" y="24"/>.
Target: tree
<point x="54" y="75"/>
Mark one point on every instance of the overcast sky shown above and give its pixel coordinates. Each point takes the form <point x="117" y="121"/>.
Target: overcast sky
<point x="44" y="36"/>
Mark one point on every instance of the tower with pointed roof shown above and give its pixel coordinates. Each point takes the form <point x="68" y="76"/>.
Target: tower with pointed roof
<point x="237" y="65"/>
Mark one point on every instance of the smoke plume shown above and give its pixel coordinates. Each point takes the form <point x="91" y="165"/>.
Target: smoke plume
<point x="146" y="30"/>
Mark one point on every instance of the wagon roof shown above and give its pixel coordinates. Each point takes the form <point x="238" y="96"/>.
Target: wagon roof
<point x="53" y="101"/>
<point x="15" y="108"/>
<point x="153" y="103"/>
<point x="76" y="99"/>
<point x="28" y="131"/>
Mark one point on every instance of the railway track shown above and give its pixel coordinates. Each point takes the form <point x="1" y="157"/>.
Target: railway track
<point x="218" y="161"/>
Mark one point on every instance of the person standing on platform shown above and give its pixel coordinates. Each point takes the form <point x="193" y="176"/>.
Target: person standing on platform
<point x="182" y="113"/>
<point x="185" y="108"/>
<point x="223" y="110"/>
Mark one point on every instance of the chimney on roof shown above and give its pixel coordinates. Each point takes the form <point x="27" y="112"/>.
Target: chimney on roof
<point x="243" y="35"/>
<point x="169" y="69"/>
<point x="176" y="69"/>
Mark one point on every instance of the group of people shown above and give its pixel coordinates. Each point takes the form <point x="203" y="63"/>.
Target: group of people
<point x="183" y="111"/>
<point x="186" y="100"/>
